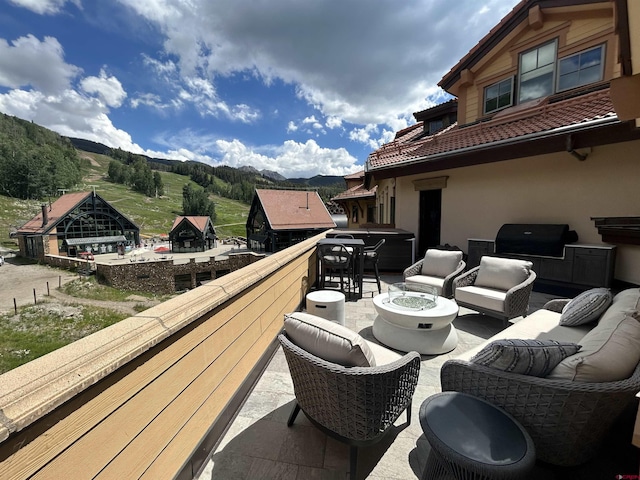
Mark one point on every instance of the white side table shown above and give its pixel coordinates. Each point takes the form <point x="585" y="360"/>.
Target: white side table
<point x="328" y="304"/>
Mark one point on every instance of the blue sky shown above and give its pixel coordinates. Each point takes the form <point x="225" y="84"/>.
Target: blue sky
<point x="300" y="87"/>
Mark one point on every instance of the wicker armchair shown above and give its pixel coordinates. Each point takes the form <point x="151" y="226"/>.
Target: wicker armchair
<point x="447" y="266"/>
<point x="355" y="405"/>
<point x="516" y="298"/>
<point x="567" y="420"/>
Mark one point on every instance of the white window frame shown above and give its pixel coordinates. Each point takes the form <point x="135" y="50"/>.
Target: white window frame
<point x="553" y="67"/>
<point x="600" y="47"/>
<point x="484" y="97"/>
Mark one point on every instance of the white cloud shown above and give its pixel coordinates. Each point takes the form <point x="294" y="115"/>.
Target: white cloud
<point x="291" y="127"/>
<point x="109" y="89"/>
<point x="291" y="159"/>
<point x="333" y="122"/>
<point x="44" y="7"/>
<point x="29" y="62"/>
<point x="68" y="113"/>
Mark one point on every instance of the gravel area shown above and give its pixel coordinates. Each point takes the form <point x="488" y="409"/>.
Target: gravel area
<point x="18" y="281"/>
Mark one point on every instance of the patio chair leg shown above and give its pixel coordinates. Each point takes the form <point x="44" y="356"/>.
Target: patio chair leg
<point x="409" y="414"/>
<point x="293" y="414"/>
<point x="375" y="267"/>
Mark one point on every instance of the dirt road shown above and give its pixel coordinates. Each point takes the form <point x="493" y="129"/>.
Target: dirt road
<point x="18" y="281"/>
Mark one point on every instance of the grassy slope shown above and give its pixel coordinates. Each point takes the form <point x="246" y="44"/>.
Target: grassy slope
<point x="153" y="215"/>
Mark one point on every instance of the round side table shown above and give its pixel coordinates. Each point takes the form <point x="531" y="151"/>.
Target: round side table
<point x="471" y="438"/>
<point x="328" y="304"/>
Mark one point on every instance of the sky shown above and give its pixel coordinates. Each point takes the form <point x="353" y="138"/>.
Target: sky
<point x="299" y="87"/>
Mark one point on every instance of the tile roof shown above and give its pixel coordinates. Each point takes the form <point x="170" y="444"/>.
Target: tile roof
<point x="198" y="221"/>
<point x="294" y="209"/>
<point x="356" y="192"/>
<point x="514" y="124"/>
<point x="354" y="176"/>
<point x="55" y="212"/>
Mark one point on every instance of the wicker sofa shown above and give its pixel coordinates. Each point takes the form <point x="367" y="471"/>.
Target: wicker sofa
<point x="568" y="412"/>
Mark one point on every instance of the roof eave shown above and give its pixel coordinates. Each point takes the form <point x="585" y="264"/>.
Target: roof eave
<point x="598" y="132"/>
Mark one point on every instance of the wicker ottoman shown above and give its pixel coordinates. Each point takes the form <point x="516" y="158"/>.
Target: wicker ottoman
<point x="471" y="438"/>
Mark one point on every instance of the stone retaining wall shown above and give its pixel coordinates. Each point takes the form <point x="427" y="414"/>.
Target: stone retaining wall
<point x="159" y="276"/>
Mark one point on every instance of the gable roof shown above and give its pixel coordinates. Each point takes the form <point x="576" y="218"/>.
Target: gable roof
<point x="294" y="209"/>
<point x="513" y="19"/>
<point x="355" y="193"/>
<point x="55" y="213"/>
<point x="198" y="221"/>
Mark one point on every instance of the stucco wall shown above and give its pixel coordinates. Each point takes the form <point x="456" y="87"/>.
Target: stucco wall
<point x="553" y="188"/>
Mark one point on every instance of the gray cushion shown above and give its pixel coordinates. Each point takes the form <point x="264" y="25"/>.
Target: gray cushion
<point x="502" y="273"/>
<point x="440" y="263"/>
<point x="586" y="307"/>
<point x="328" y="340"/>
<point x="526" y="357"/>
<point x="611" y="351"/>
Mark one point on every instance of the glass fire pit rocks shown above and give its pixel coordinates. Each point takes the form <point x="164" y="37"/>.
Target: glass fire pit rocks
<point x="412" y="297"/>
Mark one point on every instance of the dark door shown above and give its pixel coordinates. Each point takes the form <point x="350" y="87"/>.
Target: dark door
<point x="430" y="213"/>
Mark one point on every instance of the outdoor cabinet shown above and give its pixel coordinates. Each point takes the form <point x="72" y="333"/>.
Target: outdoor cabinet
<point x="581" y="265"/>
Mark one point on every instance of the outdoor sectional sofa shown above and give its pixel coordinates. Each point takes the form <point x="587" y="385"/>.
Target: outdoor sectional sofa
<point x="569" y="411"/>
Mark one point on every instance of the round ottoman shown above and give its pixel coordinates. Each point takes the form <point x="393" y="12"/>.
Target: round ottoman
<point x="328" y="304"/>
<point x="471" y="438"/>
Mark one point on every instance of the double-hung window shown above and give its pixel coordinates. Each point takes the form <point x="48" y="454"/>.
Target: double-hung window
<point x="537" y="72"/>
<point x="581" y="69"/>
<point x="541" y="74"/>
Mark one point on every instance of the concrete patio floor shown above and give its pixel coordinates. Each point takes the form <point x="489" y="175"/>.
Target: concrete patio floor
<point x="259" y="445"/>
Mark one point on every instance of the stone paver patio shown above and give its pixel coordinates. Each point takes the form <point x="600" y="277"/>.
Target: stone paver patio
<point x="259" y="445"/>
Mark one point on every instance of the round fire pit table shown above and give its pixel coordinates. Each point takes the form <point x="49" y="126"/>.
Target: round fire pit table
<point x="414" y="318"/>
<point x="473" y="439"/>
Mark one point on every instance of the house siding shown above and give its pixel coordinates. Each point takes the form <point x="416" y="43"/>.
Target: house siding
<point x="574" y="34"/>
<point x="554" y="188"/>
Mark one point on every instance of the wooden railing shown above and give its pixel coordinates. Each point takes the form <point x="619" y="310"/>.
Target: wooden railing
<point x="150" y="396"/>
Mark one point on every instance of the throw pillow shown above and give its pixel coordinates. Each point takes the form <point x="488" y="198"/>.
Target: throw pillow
<point x="502" y="273"/>
<point x="328" y="340"/>
<point x="526" y="357"/>
<point x="586" y="307"/>
<point x="440" y="263"/>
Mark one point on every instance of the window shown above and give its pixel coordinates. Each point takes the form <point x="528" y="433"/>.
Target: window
<point x="434" y="126"/>
<point x="537" y="72"/>
<point x="580" y="69"/>
<point x="498" y="95"/>
<point x="371" y="213"/>
<point x="392" y="211"/>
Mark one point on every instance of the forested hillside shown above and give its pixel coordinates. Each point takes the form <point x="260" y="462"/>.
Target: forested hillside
<point x="35" y="162"/>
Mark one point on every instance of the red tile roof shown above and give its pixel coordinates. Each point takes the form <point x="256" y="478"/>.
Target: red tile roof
<point x="55" y="212"/>
<point x="356" y="192"/>
<point x="198" y="221"/>
<point x="355" y="176"/>
<point x="294" y="209"/>
<point x="513" y="124"/>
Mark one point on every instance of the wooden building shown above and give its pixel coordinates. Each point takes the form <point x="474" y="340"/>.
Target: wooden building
<point x="358" y="203"/>
<point x="281" y="218"/>
<point x="193" y="233"/>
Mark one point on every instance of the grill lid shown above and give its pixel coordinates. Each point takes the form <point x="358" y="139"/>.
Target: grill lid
<point x="541" y="239"/>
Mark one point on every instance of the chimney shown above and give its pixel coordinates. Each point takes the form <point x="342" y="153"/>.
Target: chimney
<point x="45" y="215"/>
